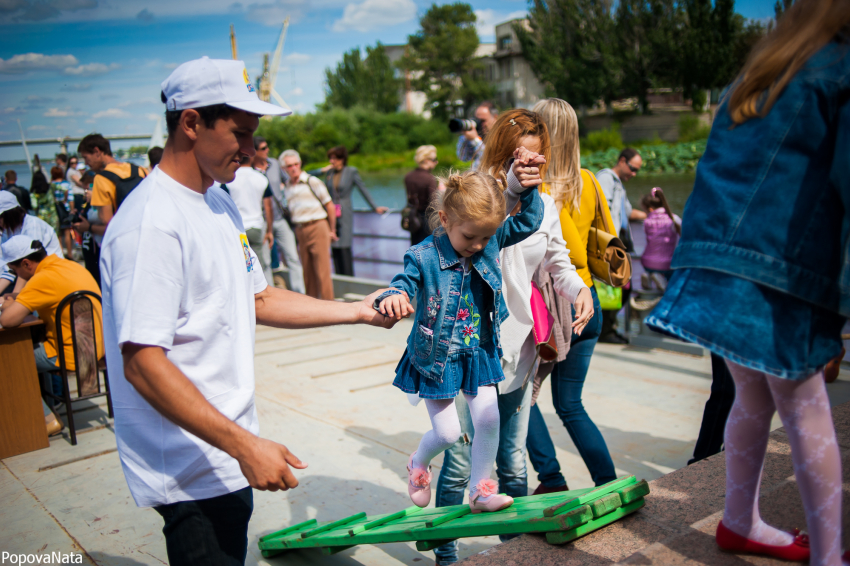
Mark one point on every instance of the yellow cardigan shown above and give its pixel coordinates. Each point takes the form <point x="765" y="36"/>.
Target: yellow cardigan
<point x="575" y="224"/>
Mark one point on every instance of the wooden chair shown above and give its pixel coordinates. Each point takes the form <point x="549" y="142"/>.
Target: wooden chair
<point x="87" y="362"/>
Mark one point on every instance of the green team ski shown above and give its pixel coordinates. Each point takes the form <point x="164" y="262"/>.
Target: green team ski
<point x="563" y="517"/>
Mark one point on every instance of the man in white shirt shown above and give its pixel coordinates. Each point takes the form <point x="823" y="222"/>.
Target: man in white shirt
<point x="181" y="296"/>
<point x="248" y="189"/>
<point x="314" y="216"/>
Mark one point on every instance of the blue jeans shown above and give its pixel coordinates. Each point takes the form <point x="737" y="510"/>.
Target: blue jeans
<point x="567" y="383"/>
<point x="51" y="379"/>
<point x="510" y="458"/>
<point x="208" y="532"/>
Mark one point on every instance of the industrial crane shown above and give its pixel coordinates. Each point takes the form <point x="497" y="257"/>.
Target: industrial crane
<point x="266" y="81"/>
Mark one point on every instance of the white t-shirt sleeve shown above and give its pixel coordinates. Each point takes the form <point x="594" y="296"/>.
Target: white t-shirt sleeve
<point x="147" y="289"/>
<point x="258" y="279"/>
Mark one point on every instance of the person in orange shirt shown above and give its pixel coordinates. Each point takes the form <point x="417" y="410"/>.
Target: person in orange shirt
<point x="114" y="179"/>
<point x="49" y="279"/>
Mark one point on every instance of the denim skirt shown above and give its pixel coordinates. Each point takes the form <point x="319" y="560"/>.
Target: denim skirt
<point x="755" y="326"/>
<point x="466" y="370"/>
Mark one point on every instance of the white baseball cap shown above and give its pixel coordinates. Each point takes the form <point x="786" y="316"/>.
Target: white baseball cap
<point x="8" y="201"/>
<point x="17" y="248"/>
<point x="205" y="82"/>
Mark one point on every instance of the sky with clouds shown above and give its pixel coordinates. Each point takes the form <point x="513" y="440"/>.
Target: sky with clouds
<point x="69" y="67"/>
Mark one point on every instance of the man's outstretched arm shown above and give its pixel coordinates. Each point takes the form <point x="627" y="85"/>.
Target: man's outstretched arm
<point x="286" y="309"/>
<point x="264" y="463"/>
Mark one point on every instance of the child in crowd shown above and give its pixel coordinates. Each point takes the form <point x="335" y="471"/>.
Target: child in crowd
<point x="662" y="229"/>
<point x="455" y="344"/>
<point x="61" y="190"/>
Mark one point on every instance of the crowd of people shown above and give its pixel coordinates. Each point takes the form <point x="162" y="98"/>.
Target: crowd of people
<point x="185" y="275"/>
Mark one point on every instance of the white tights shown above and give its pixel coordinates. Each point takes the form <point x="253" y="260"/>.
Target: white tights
<point x="484" y="409"/>
<point x="804" y="409"/>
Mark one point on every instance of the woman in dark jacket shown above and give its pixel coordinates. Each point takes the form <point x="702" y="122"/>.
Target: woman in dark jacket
<point x="421" y="186"/>
<point x="341" y="180"/>
<point x="762" y="267"/>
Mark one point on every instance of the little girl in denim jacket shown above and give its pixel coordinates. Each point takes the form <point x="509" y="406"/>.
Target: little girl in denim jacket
<point x="456" y="277"/>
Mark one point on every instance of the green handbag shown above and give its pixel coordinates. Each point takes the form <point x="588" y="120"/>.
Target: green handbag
<point x="610" y="298"/>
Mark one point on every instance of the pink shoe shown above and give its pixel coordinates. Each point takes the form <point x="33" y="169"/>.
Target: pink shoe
<point x="484" y="498"/>
<point x="418" y="484"/>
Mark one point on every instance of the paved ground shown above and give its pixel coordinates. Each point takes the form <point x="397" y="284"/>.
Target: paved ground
<point x="327" y="395"/>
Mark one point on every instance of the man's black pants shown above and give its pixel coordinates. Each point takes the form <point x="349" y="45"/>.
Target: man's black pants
<point x="209" y="532"/>
<point x="717" y="408"/>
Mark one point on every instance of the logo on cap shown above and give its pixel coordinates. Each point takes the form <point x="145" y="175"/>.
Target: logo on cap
<point x="247" y="80"/>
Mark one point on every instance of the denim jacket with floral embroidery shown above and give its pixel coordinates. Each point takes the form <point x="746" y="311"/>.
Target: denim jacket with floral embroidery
<point x="430" y="275"/>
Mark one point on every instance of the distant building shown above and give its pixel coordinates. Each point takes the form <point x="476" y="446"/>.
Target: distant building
<point x="504" y="67"/>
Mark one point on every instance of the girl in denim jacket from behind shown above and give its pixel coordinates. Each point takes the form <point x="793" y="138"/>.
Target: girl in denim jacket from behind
<point x="456" y="277"/>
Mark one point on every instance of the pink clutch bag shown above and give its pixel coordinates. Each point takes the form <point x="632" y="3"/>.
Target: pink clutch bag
<point x="544" y="322"/>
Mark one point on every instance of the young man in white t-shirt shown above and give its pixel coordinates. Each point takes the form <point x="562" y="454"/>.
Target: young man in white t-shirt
<point x="248" y="189"/>
<point x="182" y="293"/>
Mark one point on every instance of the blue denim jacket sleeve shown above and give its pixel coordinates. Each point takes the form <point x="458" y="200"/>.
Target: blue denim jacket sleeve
<point x="517" y="228"/>
<point x="408" y="280"/>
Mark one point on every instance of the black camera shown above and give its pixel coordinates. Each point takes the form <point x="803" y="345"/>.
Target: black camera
<point x="457" y="125"/>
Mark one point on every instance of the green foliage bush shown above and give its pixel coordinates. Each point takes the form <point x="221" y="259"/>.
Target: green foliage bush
<point x="361" y="130"/>
<point x="658" y="158"/>
<point x="692" y="129"/>
<point x="601" y="140"/>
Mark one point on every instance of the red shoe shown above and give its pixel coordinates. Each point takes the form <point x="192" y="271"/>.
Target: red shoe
<point x="797" y="551"/>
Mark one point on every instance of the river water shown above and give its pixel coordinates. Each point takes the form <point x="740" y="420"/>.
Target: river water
<point x="387" y="188"/>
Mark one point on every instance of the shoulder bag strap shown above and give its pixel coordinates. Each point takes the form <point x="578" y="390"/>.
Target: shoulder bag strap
<point x="310" y="185"/>
<point x="600" y="212"/>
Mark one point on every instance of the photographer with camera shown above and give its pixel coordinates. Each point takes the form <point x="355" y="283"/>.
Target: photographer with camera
<point x="470" y="145"/>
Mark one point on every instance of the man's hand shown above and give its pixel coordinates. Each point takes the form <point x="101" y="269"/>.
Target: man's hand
<point x="584" y="310"/>
<point x="269" y="239"/>
<point x="78" y="226"/>
<point x="526" y="167"/>
<point x="471" y="134"/>
<point x="265" y="464"/>
<point x="334" y="237"/>
<point x="381" y="209"/>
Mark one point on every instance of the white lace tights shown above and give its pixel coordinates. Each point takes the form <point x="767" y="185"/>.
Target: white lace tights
<point x="484" y="409"/>
<point x="804" y="409"/>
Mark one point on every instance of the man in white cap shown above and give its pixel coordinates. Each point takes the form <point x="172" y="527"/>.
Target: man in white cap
<point x="13" y="221"/>
<point x="182" y="292"/>
<point x="47" y="279"/>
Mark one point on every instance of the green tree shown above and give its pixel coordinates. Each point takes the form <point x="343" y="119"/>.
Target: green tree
<point x="781" y="7"/>
<point x="648" y="33"/>
<point x="568" y="45"/>
<point x="369" y="82"/>
<point x="442" y="59"/>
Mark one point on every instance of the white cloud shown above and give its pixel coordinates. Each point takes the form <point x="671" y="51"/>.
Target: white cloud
<point x="296" y="58"/>
<point x="139" y="102"/>
<point x="78" y="87"/>
<point x="111" y="113"/>
<point x="153" y="116"/>
<point x="63" y="113"/>
<point x="36" y="128"/>
<point x="297" y="91"/>
<point x="36" y="62"/>
<point x="92" y="69"/>
<point x="375" y="14"/>
<point x="91" y="121"/>
<point x="487" y="20"/>
<point x="171" y="65"/>
<point x="13" y="110"/>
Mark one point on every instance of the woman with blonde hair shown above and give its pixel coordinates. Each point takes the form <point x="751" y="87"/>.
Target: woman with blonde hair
<point x="760" y="272"/>
<point x="421" y="185"/>
<point x="574" y="192"/>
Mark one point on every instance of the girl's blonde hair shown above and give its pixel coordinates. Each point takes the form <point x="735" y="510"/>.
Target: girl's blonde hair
<point x="564" y="172"/>
<point x="503" y="139"/>
<point x="801" y="32"/>
<point x="470" y="196"/>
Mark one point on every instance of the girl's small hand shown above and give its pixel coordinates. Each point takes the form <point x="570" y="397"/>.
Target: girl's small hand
<point x="526" y="167"/>
<point x="584" y="310"/>
<point x="396" y="306"/>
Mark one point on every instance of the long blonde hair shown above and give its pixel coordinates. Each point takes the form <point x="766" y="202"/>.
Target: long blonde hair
<point x="802" y="31"/>
<point x="503" y="139"/>
<point x="471" y="196"/>
<point x="564" y="172"/>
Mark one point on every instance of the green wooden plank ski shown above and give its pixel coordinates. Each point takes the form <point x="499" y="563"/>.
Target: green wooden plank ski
<point x="561" y="516"/>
